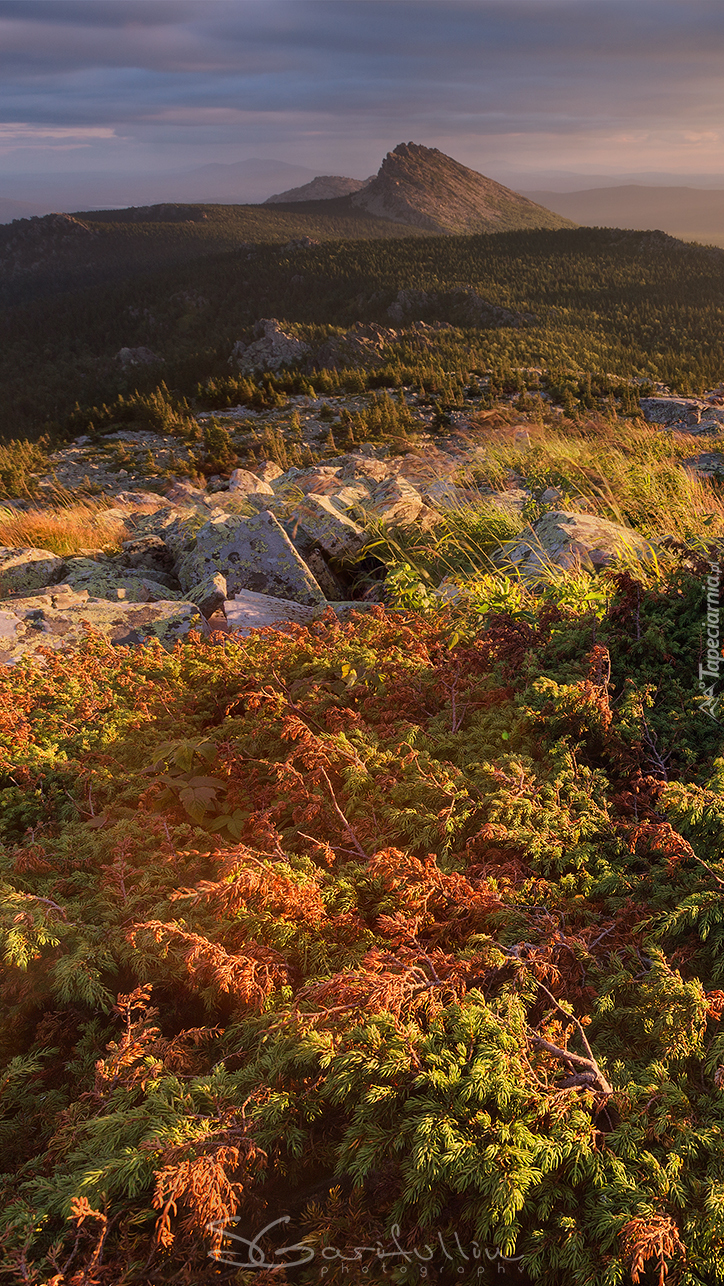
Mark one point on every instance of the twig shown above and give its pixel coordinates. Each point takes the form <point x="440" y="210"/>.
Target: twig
<point x="349" y="829"/>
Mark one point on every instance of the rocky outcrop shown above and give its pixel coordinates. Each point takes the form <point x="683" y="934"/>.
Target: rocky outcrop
<point x="273" y="348"/>
<point x="361" y="345"/>
<point x="324" y="188"/>
<point x="422" y="187"/>
<point x="688" y="414"/>
<point x="571" y="541"/>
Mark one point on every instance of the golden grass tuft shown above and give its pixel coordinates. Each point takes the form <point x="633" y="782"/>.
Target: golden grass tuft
<point x="71" y="528"/>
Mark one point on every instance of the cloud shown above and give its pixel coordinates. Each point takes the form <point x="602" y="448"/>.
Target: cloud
<point x="338" y="79"/>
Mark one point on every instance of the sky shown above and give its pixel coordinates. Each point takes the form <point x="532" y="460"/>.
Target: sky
<point x="520" y="90"/>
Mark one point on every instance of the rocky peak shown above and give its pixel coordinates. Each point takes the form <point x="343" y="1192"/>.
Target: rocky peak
<point x="423" y="187"/>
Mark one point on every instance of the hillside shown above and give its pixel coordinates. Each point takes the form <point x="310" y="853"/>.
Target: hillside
<point x="55" y="253"/>
<point x="694" y="214"/>
<point x="422" y="187"/>
<point x="324" y="188"/>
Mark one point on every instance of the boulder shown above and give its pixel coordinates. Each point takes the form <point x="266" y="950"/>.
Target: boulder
<point x="572" y="540"/>
<point x="142" y="501"/>
<point x="24" y="570"/>
<point x="210" y="595"/>
<point x="244" y="483"/>
<point x="252" y="611"/>
<point x="177" y="528"/>
<point x="273" y="348"/>
<point x="150" y="553"/>
<point x="186" y="493"/>
<point x="253" y="553"/>
<point x="396" y="502"/>
<point x="268" y="470"/>
<point x="327" y="524"/>
<point x="356" y="466"/>
<point x="61" y="618"/>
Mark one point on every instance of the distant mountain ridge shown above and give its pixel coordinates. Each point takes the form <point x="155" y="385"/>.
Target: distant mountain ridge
<point x="693" y="214"/>
<point x="423" y="187"/>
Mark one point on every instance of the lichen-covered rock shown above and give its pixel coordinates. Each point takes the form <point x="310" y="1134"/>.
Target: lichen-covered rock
<point x="104" y="580"/>
<point x="24" y="570"/>
<point x="327" y="524"/>
<point x="210" y="595"/>
<point x="176" y="527"/>
<point x="245" y="483"/>
<point x="60" y="619"/>
<point x="253" y="553"/>
<point x="570" y="541"/>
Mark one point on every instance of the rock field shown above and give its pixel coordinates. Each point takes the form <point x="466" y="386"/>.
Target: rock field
<point x="265" y="546"/>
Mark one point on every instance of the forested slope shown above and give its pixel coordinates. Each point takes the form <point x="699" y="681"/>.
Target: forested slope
<point x="598" y="301"/>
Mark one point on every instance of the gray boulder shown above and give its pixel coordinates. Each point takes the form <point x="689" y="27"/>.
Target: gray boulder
<point x="572" y="540"/>
<point x="147" y="553"/>
<point x="327" y="524"/>
<point x="245" y="483"/>
<point x="253" y="553"/>
<point x="106" y="580"/>
<point x="210" y="595"/>
<point x="249" y="611"/>
<point x="268" y="470"/>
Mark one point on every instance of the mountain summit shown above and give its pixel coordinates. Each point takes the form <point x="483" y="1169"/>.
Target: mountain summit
<point x="423" y="187"/>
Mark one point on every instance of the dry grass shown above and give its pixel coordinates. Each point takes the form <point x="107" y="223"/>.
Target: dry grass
<point x="70" y="528"/>
<point x="628" y="471"/>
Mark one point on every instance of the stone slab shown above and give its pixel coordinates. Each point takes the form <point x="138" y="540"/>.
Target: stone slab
<point x="249" y="611"/>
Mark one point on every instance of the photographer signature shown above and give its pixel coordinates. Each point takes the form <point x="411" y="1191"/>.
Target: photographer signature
<point x="254" y="1257"/>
